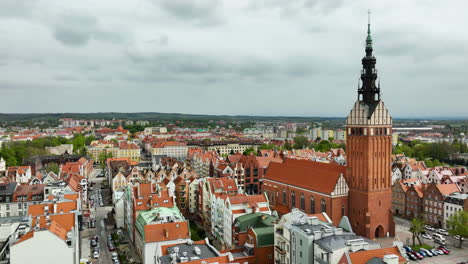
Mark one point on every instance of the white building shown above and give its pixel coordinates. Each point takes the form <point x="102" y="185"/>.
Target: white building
<point x="2" y="163"/>
<point x="452" y="204"/>
<point x="241" y="204"/>
<point x="396" y="175"/>
<point x="193" y="193"/>
<point x="37" y="249"/>
<point x="172" y="149"/>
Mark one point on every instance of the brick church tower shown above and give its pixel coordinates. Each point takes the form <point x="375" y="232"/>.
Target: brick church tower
<point x="369" y="149"/>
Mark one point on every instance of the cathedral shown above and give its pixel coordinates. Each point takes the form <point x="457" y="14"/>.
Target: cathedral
<point x="369" y="149"/>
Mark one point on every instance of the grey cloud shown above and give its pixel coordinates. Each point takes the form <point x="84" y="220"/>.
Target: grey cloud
<point x="16" y="8"/>
<point x="78" y="28"/>
<point x="202" y="12"/>
<point x="65" y="77"/>
<point x="75" y="29"/>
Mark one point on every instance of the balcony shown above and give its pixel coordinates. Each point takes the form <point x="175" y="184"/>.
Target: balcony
<point x="280" y="250"/>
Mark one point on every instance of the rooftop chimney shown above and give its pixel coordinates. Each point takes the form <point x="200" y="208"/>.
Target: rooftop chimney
<point x="391" y="259"/>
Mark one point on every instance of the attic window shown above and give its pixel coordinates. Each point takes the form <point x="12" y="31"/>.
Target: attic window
<point x="166" y="201"/>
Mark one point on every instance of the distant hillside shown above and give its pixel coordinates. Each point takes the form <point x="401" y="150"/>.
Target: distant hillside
<point x="150" y="116"/>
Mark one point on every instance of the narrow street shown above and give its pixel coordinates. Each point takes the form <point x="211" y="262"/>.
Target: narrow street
<point x="99" y="213"/>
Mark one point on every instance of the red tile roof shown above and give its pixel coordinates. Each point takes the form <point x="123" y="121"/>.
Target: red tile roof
<point x="447" y="189"/>
<point x="166" y="231"/>
<point x="311" y="175"/>
<point x="362" y="257"/>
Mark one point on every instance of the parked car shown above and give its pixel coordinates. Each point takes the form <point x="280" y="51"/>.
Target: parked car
<point x="446" y="252"/>
<point x="408" y="249"/>
<point x="419" y="256"/>
<point x="93" y="243"/>
<point x="446" y="248"/>
<point x="442" y="232"/>
<point x="440" y="252"/>
<point x="411" y="256"/>
<point x="434" y="252"/>
<point x="438" y="236"/>
<point x="428" y="252"/>
<point x="109" y="238"/>
<point x="426" y="236"/>
<point x="111" y="247"/>
<point x="457" y="237"/>
<point x="424" y="254"/>
<point x="440" y="242"/>
<point x="428" y="227"/>
<point x="96" y="254"/>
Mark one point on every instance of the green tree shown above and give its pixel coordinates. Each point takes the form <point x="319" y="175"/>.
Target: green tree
<point x="102" y="157"/>
<point x="458" y="226"/>
<point x="248" y="151"/>
<point x="416" y="228"/>
<point x="78" y="143"/>
<point x="267" y="146"/>
<point x="323" y="146"/>
<point x="300" y="130"/>
<point x="300" y="142"/>
<point x="54" y="167"/>
<point x="89" y="139"/>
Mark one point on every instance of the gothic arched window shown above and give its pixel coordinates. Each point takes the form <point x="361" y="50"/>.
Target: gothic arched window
<point x="323" y="206"/>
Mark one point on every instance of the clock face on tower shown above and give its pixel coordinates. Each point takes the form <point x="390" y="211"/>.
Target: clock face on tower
<point x="369" y="149"/>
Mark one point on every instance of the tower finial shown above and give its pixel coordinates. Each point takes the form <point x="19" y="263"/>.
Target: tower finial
<point x="368" y="22"/>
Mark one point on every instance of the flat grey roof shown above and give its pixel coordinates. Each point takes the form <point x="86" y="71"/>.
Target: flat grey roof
<point x="334" y="242"/>
<point x="206" y="252"/>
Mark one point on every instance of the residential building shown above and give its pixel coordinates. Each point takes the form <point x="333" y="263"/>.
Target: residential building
<point x="6" y="198"/>
<point x="453" y="203"/>
<point x="171" y="149"/>
<point x="434" y="197"/>
<point x="121" y="149"/>
<point x="208" y="190"/>
<point x="20" y="174"/>
<point x="254" y="233"/>
<point x="157" y="227"/>
<point x="54" y="224"/>
<point x="301" y="238"/>
<point x="225" y="209"/>
<point x="155" y="130"/>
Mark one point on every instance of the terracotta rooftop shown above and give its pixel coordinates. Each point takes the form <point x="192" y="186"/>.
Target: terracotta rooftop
<point x="362" y="257"/>
<point x="311" y="175"/>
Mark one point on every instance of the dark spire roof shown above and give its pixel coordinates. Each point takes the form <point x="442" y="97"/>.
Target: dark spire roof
<point x="369" y="92"/>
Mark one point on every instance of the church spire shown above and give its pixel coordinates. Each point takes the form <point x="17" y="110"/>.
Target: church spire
<point x="369" y="92"/>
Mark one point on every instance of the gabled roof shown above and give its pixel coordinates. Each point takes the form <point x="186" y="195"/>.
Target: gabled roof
<point x="447" y="189"/>
<point x="311" y="175"/>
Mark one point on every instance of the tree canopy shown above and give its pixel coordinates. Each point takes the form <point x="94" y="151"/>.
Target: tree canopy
<point x="458" y="225"/>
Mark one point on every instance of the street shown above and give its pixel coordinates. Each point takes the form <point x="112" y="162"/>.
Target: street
<point x="456" y="255"/>
<point x="101" y="229"/>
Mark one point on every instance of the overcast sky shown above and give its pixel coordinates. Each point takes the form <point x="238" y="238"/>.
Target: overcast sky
<point x="249" y="57"/>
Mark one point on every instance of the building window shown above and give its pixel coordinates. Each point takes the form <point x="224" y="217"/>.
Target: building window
<point x="323" y="206"/>
<point x="284" y="196"/>
<point x="302" y="202"/>
<point x="342" y="210"/>
<point x="312" y="205"/>
<point x="293" y="199"/>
